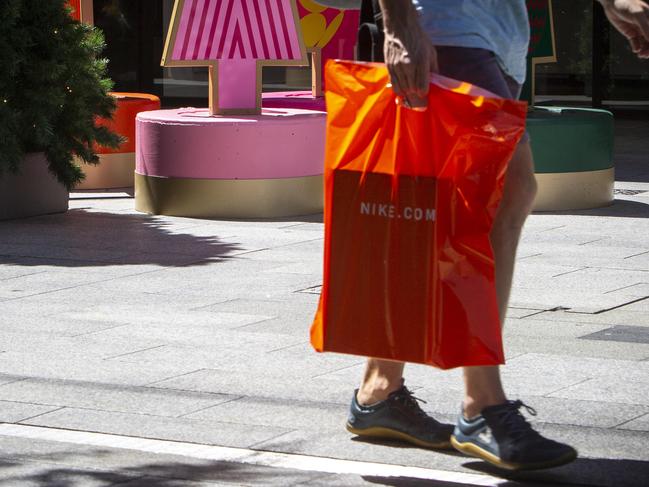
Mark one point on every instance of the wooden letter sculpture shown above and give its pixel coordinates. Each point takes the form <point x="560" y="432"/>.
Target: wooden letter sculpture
<point x="234" y="39"/>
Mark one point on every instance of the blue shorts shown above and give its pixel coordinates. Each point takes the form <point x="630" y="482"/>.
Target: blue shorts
<point x="478" y="67"/>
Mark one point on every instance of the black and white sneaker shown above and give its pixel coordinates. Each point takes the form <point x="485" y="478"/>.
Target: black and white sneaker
<point x="503" y="437"/>
<point x="399" y="417"/>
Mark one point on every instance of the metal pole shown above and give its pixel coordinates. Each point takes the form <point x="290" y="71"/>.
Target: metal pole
<point x="600" y="55"/>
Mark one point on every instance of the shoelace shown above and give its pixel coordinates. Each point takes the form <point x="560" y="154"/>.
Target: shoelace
<point x="515" y="423"/>
<point x="409" y="399"/>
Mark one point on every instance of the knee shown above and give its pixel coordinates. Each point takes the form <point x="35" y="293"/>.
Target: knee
<point x="520" y="189"/>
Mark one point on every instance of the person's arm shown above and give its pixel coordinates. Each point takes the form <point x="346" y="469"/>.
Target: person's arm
<point x="631" y="18"/>
<point x="409" y="54"/>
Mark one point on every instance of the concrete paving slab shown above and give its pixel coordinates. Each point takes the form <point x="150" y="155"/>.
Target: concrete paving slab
<point x="535" y="327"/>
<point x="9" y="378"/>
<point x="621" y="333"/>
<point x="602" y="280"/>
<point x="290" y="316"/>
<point x="316" y="226"/>
<point x="204" y="431"/>
<point x="77" y="252"/>
<point x="309" y="250"/>
<point x="639" y="260"/>
<point x="581" y="366"/>
<point x="41" y="366"/>
<point x="575" y="301"/>
<point x="312" y="267"/>
<point x="11" y="272"/>
<point x="252" y="359"/>
<point x="201" y="330"/>
<point x="293" y="326"/>
<point x="344" y="445"/>
<point x="61" y="325"/>
<point x="240" y="383"/>
<point x="608" y="390"/>
<point x="634" y="290"/>
<point x="566" y="235"/>
<point x="91" y="346"/>
<point x="641" y="305"/>
<point x="603" y="443"/>
<point x="14" y="412"/>
<point x="587" y="255"/>
<point x="43" y="282"/>
<point x="618" y="316"/>
<point x="109" y="397"/>
<point x="520" y="345"/>
<point x="638" y="424"/>
<point x="592" y="414"/>
<point x="517" y="313"/>
<point x="219" y="284"/>
<point x="278" y="413"/>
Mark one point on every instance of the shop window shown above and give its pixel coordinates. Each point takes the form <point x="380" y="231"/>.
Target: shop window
<point x="618" y="77"/>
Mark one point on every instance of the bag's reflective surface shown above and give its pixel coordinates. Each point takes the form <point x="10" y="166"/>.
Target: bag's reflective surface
<point x="410" y="198"/>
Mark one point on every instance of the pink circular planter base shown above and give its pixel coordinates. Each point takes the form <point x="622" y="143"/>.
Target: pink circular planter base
<point x="189" y="163"/>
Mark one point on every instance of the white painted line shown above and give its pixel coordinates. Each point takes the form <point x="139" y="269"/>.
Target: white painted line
<point x="244" y="456"/>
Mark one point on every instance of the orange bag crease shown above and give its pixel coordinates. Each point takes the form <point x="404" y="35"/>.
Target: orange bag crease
<point x="410" y="199"/>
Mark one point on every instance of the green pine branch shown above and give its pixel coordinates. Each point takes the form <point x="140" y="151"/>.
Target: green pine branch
<point x="53" y="88"/>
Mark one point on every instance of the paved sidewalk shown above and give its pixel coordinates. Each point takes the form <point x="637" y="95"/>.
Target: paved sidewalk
<point x="196" y="331"/>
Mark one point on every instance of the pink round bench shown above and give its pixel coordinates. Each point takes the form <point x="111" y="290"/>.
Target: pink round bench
<point x="191" y="164"/>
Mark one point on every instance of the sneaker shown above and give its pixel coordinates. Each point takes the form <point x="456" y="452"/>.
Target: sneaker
<point x="503" y="437"/>
<point x="399" y="417"/>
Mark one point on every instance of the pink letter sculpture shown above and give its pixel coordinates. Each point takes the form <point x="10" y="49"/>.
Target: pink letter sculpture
<point x="234" y="39"/>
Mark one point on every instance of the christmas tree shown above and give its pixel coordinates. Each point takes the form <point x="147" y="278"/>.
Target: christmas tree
<point x="53" y="86"/>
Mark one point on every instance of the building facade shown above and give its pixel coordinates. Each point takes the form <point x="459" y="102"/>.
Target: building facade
<point x="594" y="67"/>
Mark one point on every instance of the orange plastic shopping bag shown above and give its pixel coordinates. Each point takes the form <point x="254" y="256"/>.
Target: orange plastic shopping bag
<point x="410" y="199"/>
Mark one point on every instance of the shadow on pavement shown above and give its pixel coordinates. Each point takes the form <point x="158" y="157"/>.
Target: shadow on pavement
<point x="586" y="472"/>
<point x="82" y="238"/>
<point x="583" y="472"/>
<point x="620" y="208"/>
<point x="69" y="468"/>
<point x="43" y="471"/>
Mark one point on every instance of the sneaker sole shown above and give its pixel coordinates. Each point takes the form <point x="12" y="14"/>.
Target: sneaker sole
<point x="381" y="432"/>
<point x="475" y="451"/>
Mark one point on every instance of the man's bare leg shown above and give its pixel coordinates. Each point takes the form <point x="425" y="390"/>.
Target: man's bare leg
<point x="483" y="385"/>
<point x="380" y="379"/>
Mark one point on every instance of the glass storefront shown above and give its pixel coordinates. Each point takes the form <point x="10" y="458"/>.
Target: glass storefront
<point x="594" y="63"/>
<point x="135" y="35"/>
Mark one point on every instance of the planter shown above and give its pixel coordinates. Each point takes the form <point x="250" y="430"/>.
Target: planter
<point x="33" y="191"/>
<point x="573" y="157"/>
<point x="194" y="165"/>
<point x="116" y="166"/>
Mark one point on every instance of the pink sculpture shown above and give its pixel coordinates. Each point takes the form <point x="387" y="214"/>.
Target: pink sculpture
<point x="329" y="33"/>
<point x="234" y="39"/>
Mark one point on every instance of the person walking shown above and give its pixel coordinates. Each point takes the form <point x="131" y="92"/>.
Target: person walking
<point x="484" y="42"/>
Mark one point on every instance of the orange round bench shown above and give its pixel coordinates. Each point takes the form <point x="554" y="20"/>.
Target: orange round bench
<point x="116" y="166"/>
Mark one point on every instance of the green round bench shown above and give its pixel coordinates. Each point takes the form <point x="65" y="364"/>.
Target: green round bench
<point x="573" y="157"/>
